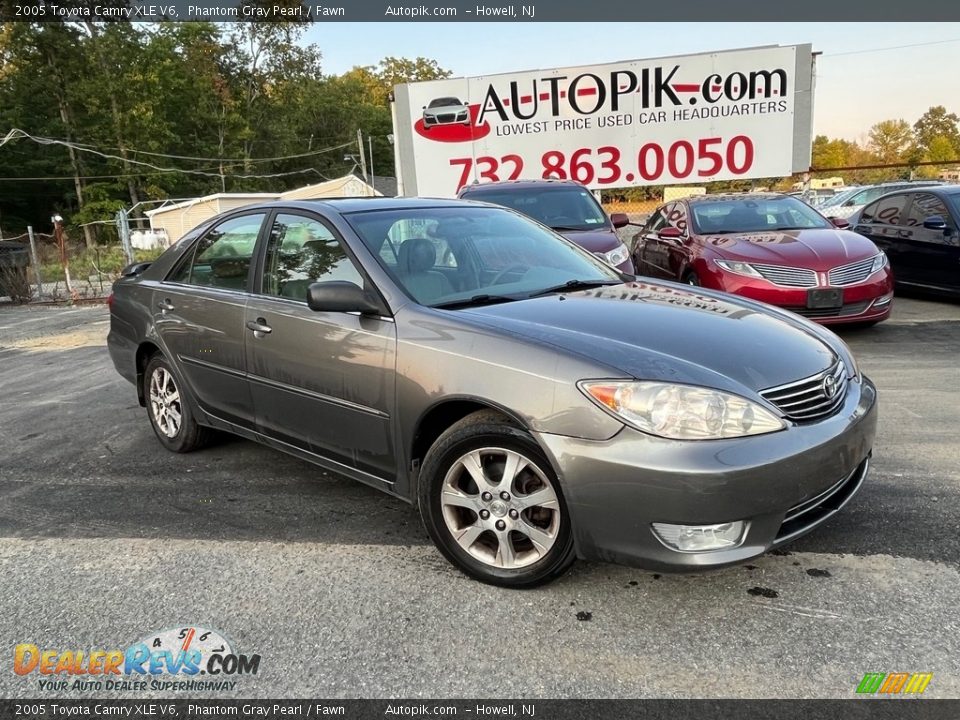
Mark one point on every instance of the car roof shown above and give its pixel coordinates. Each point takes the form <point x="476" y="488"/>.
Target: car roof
<point x="347" y="205"/>
<point x="521" y="184"/>
<point x="730" y="197"/>
<point x="941" y="189"/>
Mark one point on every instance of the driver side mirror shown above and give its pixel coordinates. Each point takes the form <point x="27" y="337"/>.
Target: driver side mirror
<point x="669" y="233"/>
<point x="935" y="222"/>
<point x="619" y="220"/>
<point x="340" y="296"/>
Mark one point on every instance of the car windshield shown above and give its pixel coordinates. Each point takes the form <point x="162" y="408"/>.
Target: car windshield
<point x="444" y="102"/>
<point x="840" y="197"/>
<point x="449" y="256"/>
<point x="564" y="208"/>
<point x="754" y="214"/>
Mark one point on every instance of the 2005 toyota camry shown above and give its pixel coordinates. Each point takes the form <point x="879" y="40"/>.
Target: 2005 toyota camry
<point x="533" y="402"/>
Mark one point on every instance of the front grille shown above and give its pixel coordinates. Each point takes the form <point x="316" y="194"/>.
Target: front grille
<point x="811" y="512"/>
<point x="851" y="274"/>
<point x="810" y="398"/>
<point x="844" y="311"/>
<point x="447" y="117"/>
<point x="787" y="276"/>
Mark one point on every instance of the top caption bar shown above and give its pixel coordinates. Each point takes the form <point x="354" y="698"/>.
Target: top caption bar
<point x="472" y="11"/>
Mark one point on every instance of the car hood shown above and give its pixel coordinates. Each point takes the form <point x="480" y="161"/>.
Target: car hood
<point x="446" y="109"/>
<point x="592" y="240"/>
<point x="821" y="249"/>
<point x="666" y="331"/>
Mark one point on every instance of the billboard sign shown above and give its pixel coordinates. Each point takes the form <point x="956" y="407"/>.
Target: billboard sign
<point x="687" y="119"/>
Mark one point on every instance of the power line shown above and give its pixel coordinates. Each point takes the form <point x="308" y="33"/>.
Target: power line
<point x="17" y="133"/>
<point x="893" y="47"/>
<point x="161" y="172"/>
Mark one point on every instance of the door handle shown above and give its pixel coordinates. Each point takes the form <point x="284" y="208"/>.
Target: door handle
<point x="259" y="327"/>
<point x="165" y="305"/>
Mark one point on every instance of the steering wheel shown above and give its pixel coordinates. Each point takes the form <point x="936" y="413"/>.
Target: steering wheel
<point x="516" y="267"/>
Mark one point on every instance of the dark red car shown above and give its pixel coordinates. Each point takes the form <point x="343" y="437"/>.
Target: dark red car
<point x="768" y="247"/>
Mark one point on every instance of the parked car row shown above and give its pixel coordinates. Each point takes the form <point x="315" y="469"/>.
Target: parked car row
<point x="767" y="246"/>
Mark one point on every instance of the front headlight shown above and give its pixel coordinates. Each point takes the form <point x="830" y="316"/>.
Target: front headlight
<point x="618" y="255"/>
<point x="681" y="412"/>
<point x="740" y="268"/>
<point x="879" y="263"/>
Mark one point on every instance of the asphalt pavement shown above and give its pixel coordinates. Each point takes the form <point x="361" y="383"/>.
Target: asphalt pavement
<point x="105" y="538"/>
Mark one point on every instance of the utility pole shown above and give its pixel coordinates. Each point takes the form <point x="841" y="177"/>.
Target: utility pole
<point x="36" y="262"/>
<point x="373" y="178"/>
<point x="62" y="246"/>
<point x="123" y="228"/>
<point x="363" y="156"/>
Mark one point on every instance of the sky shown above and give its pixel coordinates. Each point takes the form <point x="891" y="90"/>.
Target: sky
<point x="863" y="76"/>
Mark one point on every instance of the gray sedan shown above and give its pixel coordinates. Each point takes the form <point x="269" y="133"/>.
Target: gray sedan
<point x="533" y="402"/>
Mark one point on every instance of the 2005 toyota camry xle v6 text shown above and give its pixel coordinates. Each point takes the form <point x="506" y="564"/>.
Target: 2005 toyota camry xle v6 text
<point x="536" y="404"/>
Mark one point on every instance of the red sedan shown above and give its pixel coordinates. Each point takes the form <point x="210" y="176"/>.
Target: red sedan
<point x="768" y="247"/>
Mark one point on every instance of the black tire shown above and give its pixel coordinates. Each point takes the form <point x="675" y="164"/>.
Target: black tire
<point x="691" y="278"/>
<point x="486" y="430"/>
<point x="189" y="435"/>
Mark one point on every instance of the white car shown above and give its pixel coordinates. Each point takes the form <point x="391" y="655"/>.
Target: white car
<point x="445" y="111"/>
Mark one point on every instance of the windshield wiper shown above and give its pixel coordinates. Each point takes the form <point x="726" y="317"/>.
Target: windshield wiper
<point x="568" y="228"/>
<point x="476" y="300"/>
<point x="574" y="285"/>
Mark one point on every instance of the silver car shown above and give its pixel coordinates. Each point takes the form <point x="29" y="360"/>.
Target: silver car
<point x="534" y="403"/>
<point x="445" y="111"/>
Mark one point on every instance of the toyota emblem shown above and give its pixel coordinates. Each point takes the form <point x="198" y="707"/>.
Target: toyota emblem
<point x="830" y="386"/>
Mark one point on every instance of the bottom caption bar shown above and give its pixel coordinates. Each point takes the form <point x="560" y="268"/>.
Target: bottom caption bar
<point x="486" y="709"/>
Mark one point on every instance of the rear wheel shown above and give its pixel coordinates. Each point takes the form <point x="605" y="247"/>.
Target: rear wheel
<point x="169" y="412"/>
<point x="492" y="504"/>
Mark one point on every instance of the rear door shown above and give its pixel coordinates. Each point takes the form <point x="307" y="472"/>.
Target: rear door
<point x="931" y="255"/>
<point x="321" y="381"/>
<point x="199" y="315"/>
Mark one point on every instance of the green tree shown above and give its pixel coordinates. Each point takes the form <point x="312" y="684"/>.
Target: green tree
<point x="890" y="140"/>
<point x="937" y="123"/>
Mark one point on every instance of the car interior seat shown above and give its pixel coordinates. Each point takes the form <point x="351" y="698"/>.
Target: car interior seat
<point x="742" y="217"/>
<point x="417" y="259"/>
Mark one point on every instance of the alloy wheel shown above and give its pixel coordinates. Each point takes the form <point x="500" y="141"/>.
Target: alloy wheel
<point x="165" y="404"/>
<point x="500" y="507"/>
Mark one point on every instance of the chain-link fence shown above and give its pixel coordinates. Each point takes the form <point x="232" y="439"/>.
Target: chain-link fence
<point x="40" y="271"/>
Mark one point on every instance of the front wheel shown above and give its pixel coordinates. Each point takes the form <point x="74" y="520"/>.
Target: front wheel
<point x="492" y="504"/>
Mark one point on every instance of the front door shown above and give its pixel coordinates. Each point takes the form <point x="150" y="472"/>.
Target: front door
<point x="199" y="316"/>
<point x="321" y="381"/>
<point x="931" y="254"/>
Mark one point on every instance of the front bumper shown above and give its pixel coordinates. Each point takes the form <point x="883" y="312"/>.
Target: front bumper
<point x="782" y="485"/>
<point x="869" y="301"/>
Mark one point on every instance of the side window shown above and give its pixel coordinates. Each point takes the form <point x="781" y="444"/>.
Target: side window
<point x="677" y="216"/>
<point x="658" y="220"/>
<point x="890" y="210"/>
<point x="222" y="257"/>
<point x="868" y="214"/>
<point x="302" y="251"/>
<point x="925" y="205"/>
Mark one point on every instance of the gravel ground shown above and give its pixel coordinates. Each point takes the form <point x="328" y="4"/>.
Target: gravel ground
<point x="105" y="537"/>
